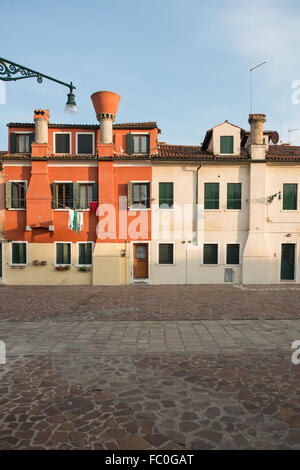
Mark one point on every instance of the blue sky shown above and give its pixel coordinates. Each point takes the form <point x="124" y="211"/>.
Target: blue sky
<point x="184" y="64"/>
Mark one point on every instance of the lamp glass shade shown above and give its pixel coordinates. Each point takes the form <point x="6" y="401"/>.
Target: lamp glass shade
<point x="71" y="104"/>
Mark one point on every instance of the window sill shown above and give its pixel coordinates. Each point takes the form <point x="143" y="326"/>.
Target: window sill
<point x="289" y="211"/>
<point x="17" y="209"/>
<point x="210" y="265"/>
<point x="18" y="266"/>
<point x="233" y="210"/>
<point x="212" y="210"/>
<point x="138" y="209"/>
<point x="165" y="264"/>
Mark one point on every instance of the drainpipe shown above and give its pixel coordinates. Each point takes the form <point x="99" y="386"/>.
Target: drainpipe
<point x="196" y="204"/>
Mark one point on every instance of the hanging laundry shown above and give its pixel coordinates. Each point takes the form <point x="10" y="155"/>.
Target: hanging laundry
<point x="70" y="219"/>
<point x="75" y="221"/>
<point x="80" y="222"/>
<point x="93" y="207"/>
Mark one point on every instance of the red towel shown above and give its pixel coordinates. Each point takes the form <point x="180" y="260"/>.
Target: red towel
<point x="93" y="207"/>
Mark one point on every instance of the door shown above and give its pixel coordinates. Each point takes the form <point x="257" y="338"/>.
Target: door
<point x="287" y="262"/>
<point x="140" y="260"/>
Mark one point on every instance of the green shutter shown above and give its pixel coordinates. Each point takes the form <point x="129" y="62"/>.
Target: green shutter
<point x="148" y="143"/>
<point x="31" y="139"/>
<point x="8" y="194"/>
<point x="54" y="200"/>
<point x="290" y="197"/>
<point x="210" y="253"/>
<point x="234" y="191"/>
<point x="129" y="194"/>
<point x="233" y="253"/>
<point x="226" y="144"/>
<point x="165" y="254"/>
<point x="12" y="143"/>
<point x="59" y="253"/>
<point x="95" y="192"/>
<point x="75" y="195"/>
<point x="19" y="253"/>
<point x="81" y="259"/>
<point x="166" y="195"/>
<point x="63" y="253"/>
<point x="211" y="195"/>
<point x="129" y="143"/>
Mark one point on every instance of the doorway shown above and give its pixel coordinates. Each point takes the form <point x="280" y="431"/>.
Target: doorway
<point x="287" y="262"/>
<point x="140" y="261"/>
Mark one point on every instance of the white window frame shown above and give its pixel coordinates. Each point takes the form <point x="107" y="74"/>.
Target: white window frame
<point x="218" y="253"/>
<point x="26" y="187"/>
<point x="84" y="182"/>
<point x="136" y="209"/>
<point x="212" y="210"/>
<point x="141" y="133"/>
<point x="61" y="182"/>
<point x="233" y="243"/>
<point x="234" y="182"/>
<point x="77" y="254"/>
<point x="164" y="209"/>
<point x="10" y="254"/>
<point x="71" y="254"/>
<point x="24" y="132"/>
<point x="166" y="242"/>
<point x="93" y="141"/>
<point x="54" y="143"/>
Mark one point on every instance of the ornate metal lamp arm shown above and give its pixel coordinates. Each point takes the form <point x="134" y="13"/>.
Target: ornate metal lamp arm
<point x="12" y="71"/>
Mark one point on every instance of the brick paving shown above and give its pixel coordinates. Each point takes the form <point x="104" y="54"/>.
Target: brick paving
<point x="149" y="302"/>
<point x="93" y="368"/>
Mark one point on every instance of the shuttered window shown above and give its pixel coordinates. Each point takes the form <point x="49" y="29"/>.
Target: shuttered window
<point x="62" y="143"/>
<point x="85" y="143"/>
<point x="166" y="195"/>
<point x="233" y="253"/>
<point x="210" y="253"/>
<point x="62" y="194"/>
<point x="137" y="143"/>
<point x="19" y="253"/>
<point x="290" y="197"/>
<point x="138" y="195"/>
<point x="211" y="195"/>
<point x="63" y="253"/>
<point x="85" y="254"/>
<point x="226" y="144"/>
<point x="234" y="196"/>
<point x="166" y="253"/>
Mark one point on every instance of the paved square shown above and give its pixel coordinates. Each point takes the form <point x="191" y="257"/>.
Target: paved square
<point x="94" y="368"/>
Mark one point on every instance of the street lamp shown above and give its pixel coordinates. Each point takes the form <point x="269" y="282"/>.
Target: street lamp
<point x="11" y="71"/>
<point x="251" y="70"/>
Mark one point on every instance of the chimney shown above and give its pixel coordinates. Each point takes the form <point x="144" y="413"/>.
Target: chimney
<point x="257" y="148"/>
<point x="256" y="122"/>
<point x="41" y="118"/>
<point x="106" y="105"/>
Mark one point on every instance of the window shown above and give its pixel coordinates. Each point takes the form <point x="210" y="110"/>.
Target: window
<point x="85" y="195"/>
<point x="165" y="253"/>
<point x="62" y="195"/>
<point x="85" y="143"/>
<point x="233" y="253"/>
<point x="16" y="194"/>
<point x="226" y="144"/>
<point x="138" y="195"/>
<point x="22" y="143"/>
<point x="62" y="143"/>
<point x="211" y="195"/>
<point x="19" y="253"/>
<point x="85" y="254"/>
<point x="210" y="253"/>
<point x="290" y="197"/>
<point x="137" y="143"/>
<point x="234" y="196"/>
<point x="166" y="195"/>
<point x="63" y="253"/>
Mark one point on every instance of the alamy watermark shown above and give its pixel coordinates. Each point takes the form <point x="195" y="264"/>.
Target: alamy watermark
<point x="2" y="93"/>
<point x="2" y="353"/>
<point x="296" y="353"/>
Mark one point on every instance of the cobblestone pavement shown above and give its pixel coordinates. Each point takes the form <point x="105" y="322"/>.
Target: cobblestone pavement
<point x="93" y="368"/>
<point x="148" y="302"/>
<point x="162" y="401"/>
<point x="94" y="337"/>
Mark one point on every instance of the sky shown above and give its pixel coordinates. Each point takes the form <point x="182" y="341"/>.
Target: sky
<point x="184" y="64"/>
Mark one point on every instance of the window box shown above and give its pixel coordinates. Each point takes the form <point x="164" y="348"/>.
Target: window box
<point x="84" y="269"/>
<point x="62" y="268"/>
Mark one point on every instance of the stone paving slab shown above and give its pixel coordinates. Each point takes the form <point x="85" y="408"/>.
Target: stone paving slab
<point x="149" y="302"/>
<point x="84" y="337"/>
<point x="157" y="401"/>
